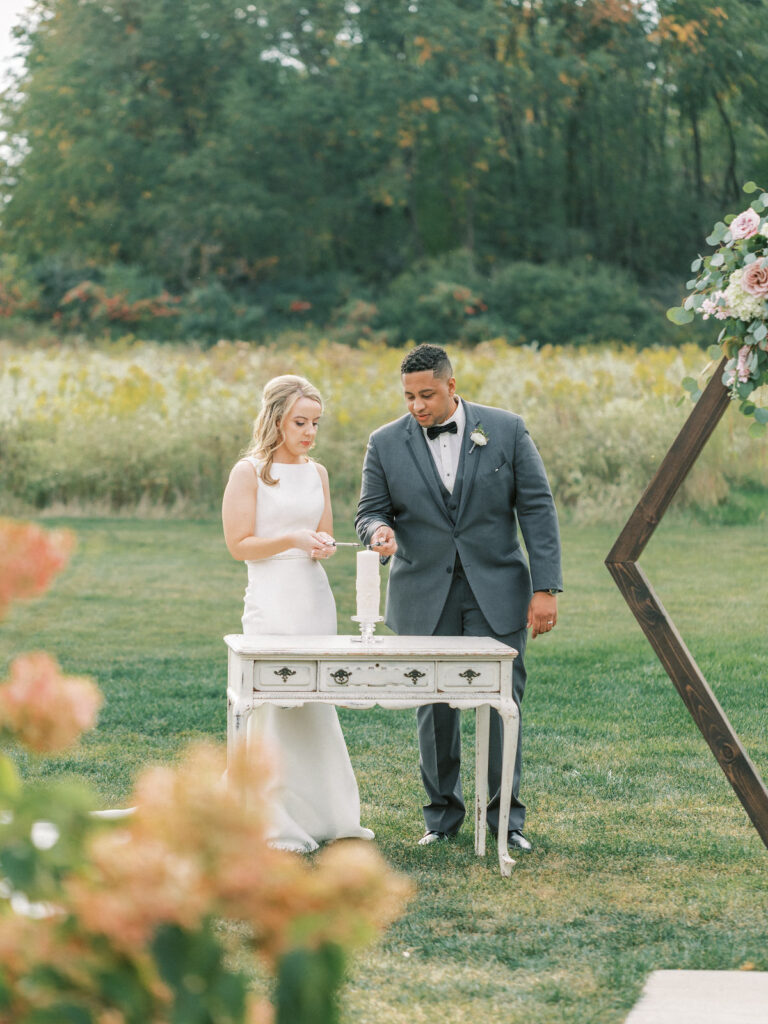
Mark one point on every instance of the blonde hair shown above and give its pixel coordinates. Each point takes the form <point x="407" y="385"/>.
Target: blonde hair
<point x="278" y="398"/>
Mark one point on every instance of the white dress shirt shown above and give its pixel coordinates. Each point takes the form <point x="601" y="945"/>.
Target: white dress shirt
<point x="446" y="448"/>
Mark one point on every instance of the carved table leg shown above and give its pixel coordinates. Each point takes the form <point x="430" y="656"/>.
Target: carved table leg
<point x="482" y="726"/>
<point x="510" y="717"/>
<point x="238" y="713"/>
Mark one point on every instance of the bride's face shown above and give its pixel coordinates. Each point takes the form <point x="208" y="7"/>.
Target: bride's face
<point x="299" y="429"/>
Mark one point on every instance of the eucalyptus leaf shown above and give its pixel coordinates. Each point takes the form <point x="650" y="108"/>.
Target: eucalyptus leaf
<point x="757" y="430"/>
<point x="750" y="187"/>
<point x="696" y="265"/>
<point x="761" y="415"/>
<point x="679" y="315"/>
<point x="717" y="260"/>
<point x="689" y="384"/>
<point x="760" y="332"/>
<point x="714" y="352"/>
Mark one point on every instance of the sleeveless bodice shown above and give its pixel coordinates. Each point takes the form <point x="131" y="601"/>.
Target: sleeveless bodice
<point x="296" y="502"/>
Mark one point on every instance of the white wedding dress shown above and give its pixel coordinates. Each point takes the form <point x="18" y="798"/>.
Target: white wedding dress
<point x="314" y="796"/>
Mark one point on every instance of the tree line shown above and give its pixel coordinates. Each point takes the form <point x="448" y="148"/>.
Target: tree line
<point x="274" y="147"/>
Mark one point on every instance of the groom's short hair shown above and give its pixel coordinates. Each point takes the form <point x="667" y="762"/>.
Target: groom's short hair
<point x="428" y="357"/>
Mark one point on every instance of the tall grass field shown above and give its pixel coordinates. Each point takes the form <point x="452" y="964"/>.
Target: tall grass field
<point x="643" y="858"/>
<point x="154" y="430"/>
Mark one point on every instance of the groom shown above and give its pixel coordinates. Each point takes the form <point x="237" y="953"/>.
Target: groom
<point x="444" y="490"/>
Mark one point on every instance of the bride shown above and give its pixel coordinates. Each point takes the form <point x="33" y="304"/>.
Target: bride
<point x="277" y="519"/>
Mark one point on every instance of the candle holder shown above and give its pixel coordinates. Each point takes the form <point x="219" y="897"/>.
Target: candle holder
<point x="367" y="627"/>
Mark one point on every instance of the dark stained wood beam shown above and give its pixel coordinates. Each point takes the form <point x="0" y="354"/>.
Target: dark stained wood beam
<point x="658" y="627"/>
<point x="674" y="468"/>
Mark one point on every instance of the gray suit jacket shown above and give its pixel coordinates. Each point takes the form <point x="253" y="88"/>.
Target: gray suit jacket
<point x="503" y="486"/>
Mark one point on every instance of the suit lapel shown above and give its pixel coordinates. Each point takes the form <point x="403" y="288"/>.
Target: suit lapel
<point x="425" y="464"/>
<point x="468" y="463"/>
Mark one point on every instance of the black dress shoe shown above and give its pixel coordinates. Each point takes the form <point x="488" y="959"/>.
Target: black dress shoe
<point x="518" y="840"/>
<point x="515" y="838"/>
<point x="430" y="837"/>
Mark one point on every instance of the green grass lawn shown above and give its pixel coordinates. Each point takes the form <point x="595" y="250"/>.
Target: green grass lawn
<point x="643" y="859"/>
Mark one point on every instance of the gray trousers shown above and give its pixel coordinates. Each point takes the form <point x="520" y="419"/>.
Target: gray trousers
<point x="440" y="727"/>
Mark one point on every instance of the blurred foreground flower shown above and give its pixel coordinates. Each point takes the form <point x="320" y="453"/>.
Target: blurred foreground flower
<point x="29" y="559"/>
<point x="150" y="900"/>
<point x="196" y="846"/>
<point x="139" y="915"/>
<point x="43" y="709"/>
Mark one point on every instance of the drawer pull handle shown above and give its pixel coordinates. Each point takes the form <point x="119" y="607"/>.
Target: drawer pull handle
<point x="413" y="675"/>
<point x="341" y="676"/>
<point x="469" y="675"/>
<point x="284" y="672"/>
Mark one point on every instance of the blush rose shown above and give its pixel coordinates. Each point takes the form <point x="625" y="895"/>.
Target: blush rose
<point x="745" y="225"/>
<point x="755" y="279"/>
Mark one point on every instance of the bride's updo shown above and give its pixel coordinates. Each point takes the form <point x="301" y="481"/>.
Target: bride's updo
<point x="278" y="398"/>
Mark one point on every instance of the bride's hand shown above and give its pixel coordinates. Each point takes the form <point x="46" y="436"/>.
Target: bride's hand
<point x="330" y="545"/>
<point x="315" y="544"/>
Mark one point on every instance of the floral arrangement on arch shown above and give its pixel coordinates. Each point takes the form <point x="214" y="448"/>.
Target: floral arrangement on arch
<point x="732" y="286"/>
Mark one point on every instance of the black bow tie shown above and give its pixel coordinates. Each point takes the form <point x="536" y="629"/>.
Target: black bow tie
<point x="444" y="428"/>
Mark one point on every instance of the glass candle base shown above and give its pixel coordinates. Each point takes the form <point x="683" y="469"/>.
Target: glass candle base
<point x="367" y="627"/>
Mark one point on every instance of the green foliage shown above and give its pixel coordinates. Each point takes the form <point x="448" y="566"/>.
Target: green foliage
<point x="307" y="985"/>
<point x="203" y="141"/>
<point x="211" y="312"/>
<point x="204" y="990"/>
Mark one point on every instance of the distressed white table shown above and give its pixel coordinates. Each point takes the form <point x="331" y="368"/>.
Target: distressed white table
<point x="391" y="672"/>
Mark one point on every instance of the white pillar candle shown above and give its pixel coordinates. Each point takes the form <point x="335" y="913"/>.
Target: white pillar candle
<point x="367" y="585"/>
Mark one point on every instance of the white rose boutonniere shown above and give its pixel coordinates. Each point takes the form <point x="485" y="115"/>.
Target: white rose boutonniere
<point x="479" y="438"/>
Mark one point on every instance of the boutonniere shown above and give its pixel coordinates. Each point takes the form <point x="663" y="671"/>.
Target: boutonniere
<point x="479" y="438"/>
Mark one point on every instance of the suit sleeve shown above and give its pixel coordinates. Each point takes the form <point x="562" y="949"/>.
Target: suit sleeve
<point x="536" y="514"/>
<point x="375" y="505"/>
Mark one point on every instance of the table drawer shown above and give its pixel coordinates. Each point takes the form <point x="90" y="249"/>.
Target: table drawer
<point x="472" y="675"/>
<point x="285" y="675"/>
<point x="365" y="675"/>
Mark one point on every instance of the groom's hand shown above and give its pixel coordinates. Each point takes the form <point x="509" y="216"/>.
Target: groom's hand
<point x="383" y="541"/>
<point x="542" y="612"/>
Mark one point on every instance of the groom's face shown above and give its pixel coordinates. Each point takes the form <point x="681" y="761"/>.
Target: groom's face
<point x="430" y="399"/>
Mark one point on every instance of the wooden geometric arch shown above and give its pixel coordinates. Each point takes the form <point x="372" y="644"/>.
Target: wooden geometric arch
<point x="656" y="623"/>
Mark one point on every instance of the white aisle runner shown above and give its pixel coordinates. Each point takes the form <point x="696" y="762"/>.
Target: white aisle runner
<point x="703" y="997"/>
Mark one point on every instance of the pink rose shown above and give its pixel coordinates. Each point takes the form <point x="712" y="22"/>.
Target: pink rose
<point x="745" y="225"/>
<point x="755" y="279"/>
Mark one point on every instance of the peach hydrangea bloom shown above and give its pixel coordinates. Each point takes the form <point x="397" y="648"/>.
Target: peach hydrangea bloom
<point x="44" y="709"/>
<point x="140" y="886"/>
<point x="29" y="559"/>
<point x="196" y="847"/>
